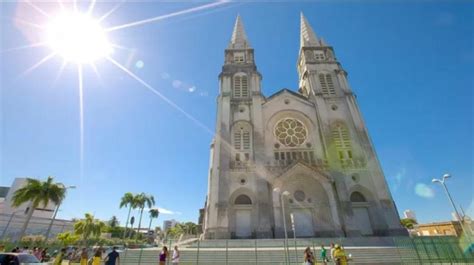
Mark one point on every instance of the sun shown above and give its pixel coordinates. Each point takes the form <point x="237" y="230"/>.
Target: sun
<point x="77" y="37"/>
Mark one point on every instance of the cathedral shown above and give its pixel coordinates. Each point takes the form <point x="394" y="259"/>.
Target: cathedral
<point x="299" y="162"/>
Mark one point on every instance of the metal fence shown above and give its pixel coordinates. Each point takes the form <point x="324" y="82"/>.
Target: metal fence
<point x="11" y="225"/>
<point x="403" y="250"/>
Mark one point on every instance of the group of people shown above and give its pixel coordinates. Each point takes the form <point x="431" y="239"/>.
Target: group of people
<point x="164" y="256"/>
<point x="112" y="258"/>
<point x="337" y="255"/>
<point x="40" y="253"/>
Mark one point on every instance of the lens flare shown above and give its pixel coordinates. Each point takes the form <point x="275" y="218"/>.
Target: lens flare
<point x="77" y="38"/>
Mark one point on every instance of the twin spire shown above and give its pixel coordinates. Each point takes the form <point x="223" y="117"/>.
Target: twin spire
<point x="239" y="38"/>
<point x="307" y="36"/>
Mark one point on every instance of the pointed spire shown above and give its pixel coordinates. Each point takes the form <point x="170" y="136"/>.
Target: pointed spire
<point x="239" y="38"/>
<point x="307" y="36"/>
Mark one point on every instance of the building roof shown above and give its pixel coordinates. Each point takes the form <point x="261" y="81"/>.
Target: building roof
<point x="281" y="91"/>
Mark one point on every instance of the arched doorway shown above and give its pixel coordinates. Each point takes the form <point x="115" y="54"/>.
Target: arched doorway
<point x="243" y="216"/>
<point x="302" y="217"/>
<point x="361" y="213"/>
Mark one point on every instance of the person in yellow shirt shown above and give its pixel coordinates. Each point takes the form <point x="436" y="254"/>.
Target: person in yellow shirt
<point x="340" y="256"/>
<point x="58" y="260"/>
<point x="84" y="256"/>
<point x="97" y="259"/>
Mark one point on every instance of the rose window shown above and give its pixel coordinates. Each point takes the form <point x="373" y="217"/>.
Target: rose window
<point x="290" y="132"/>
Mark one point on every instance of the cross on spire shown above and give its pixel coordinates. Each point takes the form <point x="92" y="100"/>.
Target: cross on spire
<point x="239" y="38"/>
<point x="307" y="36"/>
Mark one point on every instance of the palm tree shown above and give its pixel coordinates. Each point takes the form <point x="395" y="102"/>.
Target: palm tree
<point x="128" y="200"/>
<point x="38" y="193"/>
<point x="143" y="200"/>
<point x="113" y="222"/>
<point x="88" y="227"/>
<point x="153" y="214"/>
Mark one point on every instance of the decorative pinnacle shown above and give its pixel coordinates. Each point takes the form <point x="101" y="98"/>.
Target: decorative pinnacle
<point x="239" y="38"/>
<point x="307" y="36"/>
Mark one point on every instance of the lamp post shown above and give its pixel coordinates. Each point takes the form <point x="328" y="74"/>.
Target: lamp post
<point x="442" y="182"/>
<point x="4" y="233"/>
<point x="280" y="195"/>
<point x="55" y="213"/>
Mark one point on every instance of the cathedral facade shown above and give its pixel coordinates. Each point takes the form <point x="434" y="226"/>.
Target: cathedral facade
<point x="300" y="161"/>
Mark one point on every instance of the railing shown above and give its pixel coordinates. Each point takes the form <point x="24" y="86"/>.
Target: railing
<point x="404" y="250"/>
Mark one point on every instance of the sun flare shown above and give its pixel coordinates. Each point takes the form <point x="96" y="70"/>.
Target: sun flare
<point x="77" y="37"/>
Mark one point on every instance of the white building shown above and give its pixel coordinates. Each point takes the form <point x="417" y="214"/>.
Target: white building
<point x="167" y="224"/>
<point x="409" y="214"/>
<point x="311" y="145"/>
<point x="13" y="218"/>
<point x="6" y="202"/>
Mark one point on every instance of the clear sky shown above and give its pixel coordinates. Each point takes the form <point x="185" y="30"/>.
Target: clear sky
<point x="410" y="64"/>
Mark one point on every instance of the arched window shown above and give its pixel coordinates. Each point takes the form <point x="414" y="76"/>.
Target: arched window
<point x="327" y="85"/>
<point x="242" y="141"/>
<point x="242" y="138"/>
<point x="243" y="200"/>
<point x="357" y="197"/>
<point x="241" y="89"/>
<point x="342" y="141"/>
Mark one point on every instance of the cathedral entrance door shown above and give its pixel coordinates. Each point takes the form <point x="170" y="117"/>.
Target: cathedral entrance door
<point x="243" y="223"/>
<point x="303" y="222"/>
<point x="363" y="221"/>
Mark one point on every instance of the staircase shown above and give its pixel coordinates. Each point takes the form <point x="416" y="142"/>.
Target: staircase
<point x="271" y="251"/>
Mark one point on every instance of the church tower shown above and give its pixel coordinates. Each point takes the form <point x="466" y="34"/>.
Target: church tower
<point x="301" y="158"/>
<point x="232" y="178"/>
<point x="363" y="193"/>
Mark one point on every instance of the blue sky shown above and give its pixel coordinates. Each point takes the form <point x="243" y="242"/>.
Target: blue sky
<point x="410" y="64"/>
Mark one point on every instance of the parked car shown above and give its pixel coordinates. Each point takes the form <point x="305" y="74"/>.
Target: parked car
<point x="18" y="259"/>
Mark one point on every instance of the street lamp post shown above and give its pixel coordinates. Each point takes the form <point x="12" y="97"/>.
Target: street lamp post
<point x="280" y="195"/>
<point x="55" y="213"/>
<point x="442" y="182"/>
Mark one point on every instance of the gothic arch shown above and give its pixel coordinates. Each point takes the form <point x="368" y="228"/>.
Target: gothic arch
<point x="357" y="197"/>
<point x="242" y="213"/>
<point x="242" y="136"/>
<point x="243" y="199"/>
<point x="310" y="199"/>
<point x="240" y="85"/>
<point x="362" y="190"/>
<point x="327" y="83"/>
<point x="241" y="191"/>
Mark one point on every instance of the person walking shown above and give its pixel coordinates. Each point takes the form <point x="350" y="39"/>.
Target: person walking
<point x="333" y="248"/>
<point x="58" y="260"/>
<point x="113" y="258"/>
<point x="84" y="256"/>
<point x="97" y="259"/>
<point x="323" y="255"/>
<point x="163" y="255"/>
<point x="44" y="255"/>
<point x="175" y="257"/>
<point x="340" y="257"/>
<point x="308" y="257"/>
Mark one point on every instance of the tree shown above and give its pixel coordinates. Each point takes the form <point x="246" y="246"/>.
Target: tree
<point x="67" y="238"/>
<point x="128" y="200"/>
<point x="154" y="213"/>
<point x="113" y="222"/>
<point x="175" y="231"/>
<point x="141" y="201"/>
<point x="88" y="227"/>
<point x="190" y="228"/>
<point x="408" y="223"/>
<point x="37" y="193"/>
